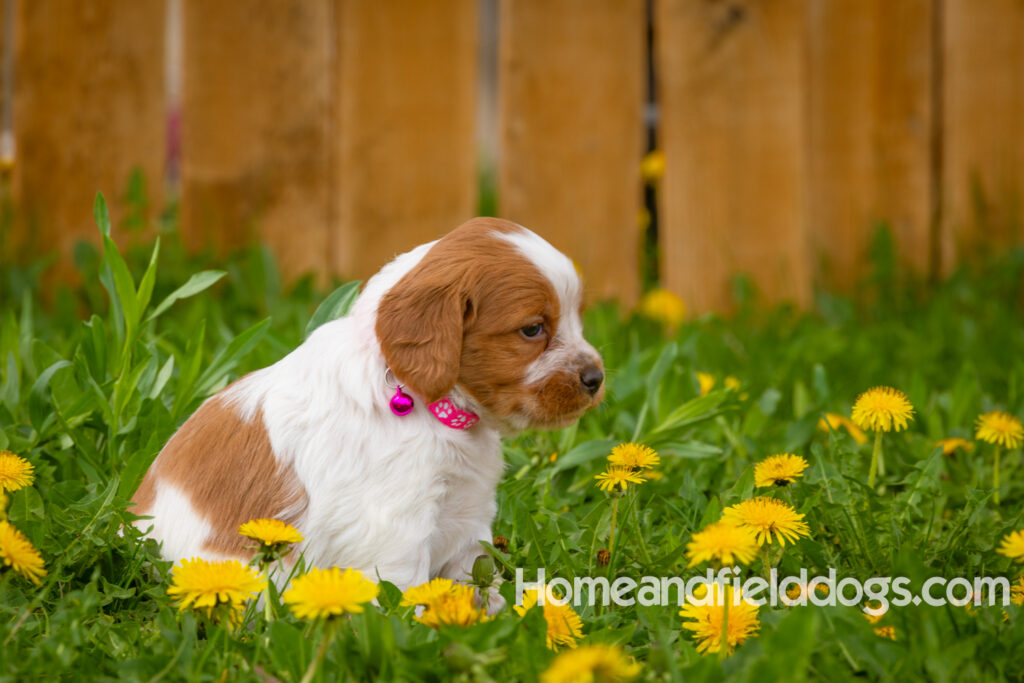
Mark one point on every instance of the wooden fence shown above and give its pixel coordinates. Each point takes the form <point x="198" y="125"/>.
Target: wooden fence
<point x="340" y="132"/>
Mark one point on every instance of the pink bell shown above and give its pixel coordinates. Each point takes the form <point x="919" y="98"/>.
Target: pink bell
<point x="401" y="403"/>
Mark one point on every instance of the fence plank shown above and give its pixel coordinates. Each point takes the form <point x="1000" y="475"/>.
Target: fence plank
<point x="572" y="80"/>
<point x="870" y="126"/>
<point x="732" y="200"/>
<point x="88" y="109"/>
<point x="406" y="112"/>
<point x="983" y="152"/>
<point x="255" y="124"/>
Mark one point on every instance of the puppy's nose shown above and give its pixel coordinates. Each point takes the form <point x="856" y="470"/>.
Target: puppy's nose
<point x="591" y="377"/>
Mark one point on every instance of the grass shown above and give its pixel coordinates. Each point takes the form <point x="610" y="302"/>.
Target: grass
<point x="92" y="385"/>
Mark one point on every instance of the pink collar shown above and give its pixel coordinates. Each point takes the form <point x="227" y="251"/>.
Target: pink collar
<point x="445" y="410"/>
<point x="451" y="416"/>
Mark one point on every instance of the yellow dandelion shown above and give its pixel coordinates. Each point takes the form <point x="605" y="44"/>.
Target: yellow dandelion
<point x="779" y="470"/>
<point x="329" y="592"/>
<point x="456" y="607"/>
<point x="766" y="517"/>
<point x="270" y="532"/>
<point x="663" y="306"/>
<point x="882" y="409"/>
<point x="732" y="383"/>
<point x="1013" y="546"/>
<point x="803" y="590"/>
<point x="15" y="472"/>
<point x="426" y="593"/>
<point x="634" y="456"/>
<point x="706" y="620"/>
<point x="564" y="626"/>
<point x="1000" y="428"/>
<point x="727" y="544"/>
<point x="652" y="166"/>
<point x="1017" y="592"/>
<point x="706" y="382"/>
<point x="886" y="632"/>
<point x="18" y="553"/>
<point x="202" y="585"/>
<point x="591" y="664"/>
<point x="833" y="421"/>
<point x="618" y="477"/>
<point x="951" y="445"/>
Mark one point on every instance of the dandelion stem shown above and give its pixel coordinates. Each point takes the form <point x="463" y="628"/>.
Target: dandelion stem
<point x="723" y="647"/>
<point x="611" y="533"/>
<point x="328" y="635"/>
<point x="876" y="456"/>
<point x="639" y="534"/>
<point x="995" y="476"/>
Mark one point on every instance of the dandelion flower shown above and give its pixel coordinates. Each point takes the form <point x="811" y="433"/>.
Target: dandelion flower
<point x="706" y="381"/>
<point x="1013" y="546"/>
<point x="766" y="517"/>
<point x="18" y="553"/>
<point x="706" y="620"/>
<point x="618" y="477"/>
<point x="882" y="409"/>
<point x="732" y="383"/>
<point x="634" y="456"/>
<point x="663" y="306"/>
<point x="833" y="421"/>
<point x="270" y="532"/>
<point x="456" y="607"/>
<point x="886" y="632"/>
<point x="1017" y="592"/>
<point x="1000" y="428"/>
<point x="779" y="470"/>
<point x="652" y="166"/>
<point x="426" y="593"/>
<point x="15" y="472"/>
<point x="564" y="625"/>
<point x="591" y="664"/>
<point x="204" y="585"/>
<point x="329" y="592"/>
<point x="725" y="543"/>
<point x="803" y="590"/>
<point x="949" y="446"/>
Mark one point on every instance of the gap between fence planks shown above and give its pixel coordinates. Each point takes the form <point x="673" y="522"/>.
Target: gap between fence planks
<point x="572" y="88"/>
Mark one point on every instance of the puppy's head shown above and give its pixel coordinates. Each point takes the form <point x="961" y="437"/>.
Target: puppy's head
<point x="493" y="310"/>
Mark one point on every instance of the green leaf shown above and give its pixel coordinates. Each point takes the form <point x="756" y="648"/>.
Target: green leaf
<point x="585" y="452"/>
<point x="690" y="413"/>
<point x="38" y="405"/>
<point x="228" y="357"/>
<point x="148" y="280"/>
<point x="124" y="295"/>
<point x="11" y="389"/>
<point x="336" y="305"/>
<point x="100" y="214"/>
<point x="195" y="284"/>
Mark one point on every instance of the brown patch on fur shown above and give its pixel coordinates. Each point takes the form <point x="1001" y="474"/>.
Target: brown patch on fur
<point x="560" y="400"/>
<point x="456" y="316"/>
<point x="226" y="466"/>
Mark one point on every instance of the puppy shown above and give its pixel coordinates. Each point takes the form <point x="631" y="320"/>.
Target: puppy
<point x="378" y="437"/>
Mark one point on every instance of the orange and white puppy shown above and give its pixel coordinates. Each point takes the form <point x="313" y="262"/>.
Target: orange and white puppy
<point x="483" y="322"/>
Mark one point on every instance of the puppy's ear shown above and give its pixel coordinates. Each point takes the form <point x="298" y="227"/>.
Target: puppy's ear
<point x="419" y="327"/>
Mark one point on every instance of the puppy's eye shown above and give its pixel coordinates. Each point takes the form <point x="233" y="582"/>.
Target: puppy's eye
<point x="531" y="331"/>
